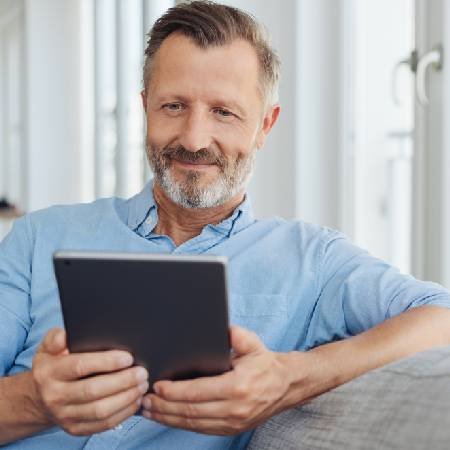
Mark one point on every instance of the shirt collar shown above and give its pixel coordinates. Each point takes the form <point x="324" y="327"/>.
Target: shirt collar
<point x="142" y="204"/>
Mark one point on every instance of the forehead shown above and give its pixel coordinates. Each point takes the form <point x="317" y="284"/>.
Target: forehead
<point x="231" y="69"/>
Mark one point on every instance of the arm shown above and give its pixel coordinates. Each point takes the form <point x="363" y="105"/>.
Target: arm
<point x="336" y="363"/>
<point x="58" y="391"/>
<point x="61" y="391"/>
<point x="19" y="416"/>
<point x="263" y="383"/>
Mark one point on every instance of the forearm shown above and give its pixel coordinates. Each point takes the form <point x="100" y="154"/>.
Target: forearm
<point x="333" y="364"/>
<point x="19" y="415"/>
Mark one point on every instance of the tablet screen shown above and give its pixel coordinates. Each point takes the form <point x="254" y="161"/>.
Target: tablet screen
<point x="169" y="311"/>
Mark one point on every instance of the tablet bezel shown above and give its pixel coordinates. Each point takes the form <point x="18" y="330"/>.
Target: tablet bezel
<point x="62" y="257"/>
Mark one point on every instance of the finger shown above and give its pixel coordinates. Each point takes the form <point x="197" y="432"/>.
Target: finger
<point x="80" y="365"/>
<point x="100" y="386"/>
<point x="244" y="341"/>
<point x="54" y="342"/>
<point x="106" y="407"/>
<point x="202" y="389"/>
<point x="217" y="410"/>
<point x="207" y="426"/>
<point x="87" y="428"/>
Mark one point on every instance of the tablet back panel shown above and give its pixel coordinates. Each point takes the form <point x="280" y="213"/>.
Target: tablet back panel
<point x="170" y="312"/>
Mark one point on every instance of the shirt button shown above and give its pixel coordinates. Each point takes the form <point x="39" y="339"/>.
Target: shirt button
<point x="118" y="427"/>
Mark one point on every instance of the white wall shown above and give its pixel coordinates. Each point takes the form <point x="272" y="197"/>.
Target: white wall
<point x="3" y="183"/>
<point x="53" y="97"/>
<point x="431" y="221"/>
<point x="322" y="117"/>
<point x="445" y="243"/>
<point x="12" y="175"/>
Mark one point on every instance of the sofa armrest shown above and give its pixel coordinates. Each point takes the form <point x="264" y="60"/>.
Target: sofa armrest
<point x="403" y="405"/>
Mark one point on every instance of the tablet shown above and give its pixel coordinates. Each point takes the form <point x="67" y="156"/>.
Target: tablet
<point x="169" y="311"/>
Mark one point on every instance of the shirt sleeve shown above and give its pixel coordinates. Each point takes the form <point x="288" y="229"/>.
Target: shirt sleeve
<point x="357" y="291"/>
<point x="15" y="276"/>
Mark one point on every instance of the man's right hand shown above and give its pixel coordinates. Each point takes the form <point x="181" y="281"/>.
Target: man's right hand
<point x="80" y="405"/>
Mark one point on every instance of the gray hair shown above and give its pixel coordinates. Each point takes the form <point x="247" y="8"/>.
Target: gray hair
<point x="211" y="24"/>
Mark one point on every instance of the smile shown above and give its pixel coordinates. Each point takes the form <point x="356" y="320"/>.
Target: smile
<point x="192" y="165"/>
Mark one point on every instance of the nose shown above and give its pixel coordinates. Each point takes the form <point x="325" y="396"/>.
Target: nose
<point x="195" y="134"/>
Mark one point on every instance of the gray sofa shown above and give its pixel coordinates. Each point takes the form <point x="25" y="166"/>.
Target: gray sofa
<point x="403" y="405"/>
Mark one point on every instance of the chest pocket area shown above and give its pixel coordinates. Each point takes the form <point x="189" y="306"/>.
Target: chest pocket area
<point x="265" y="314"/>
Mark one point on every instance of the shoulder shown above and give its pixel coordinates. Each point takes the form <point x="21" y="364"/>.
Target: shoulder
<point x="305" y="233"/>
<point x="64" y="213"/>
<point x="85" y="216"/>
<point x="301" y="241"/>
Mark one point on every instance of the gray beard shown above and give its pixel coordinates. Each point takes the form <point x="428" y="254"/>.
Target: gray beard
<point x="233" y="178"/>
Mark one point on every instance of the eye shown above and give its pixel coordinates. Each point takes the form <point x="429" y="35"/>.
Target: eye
<point x="223" y="112"/>
<point x="173" y="107"/>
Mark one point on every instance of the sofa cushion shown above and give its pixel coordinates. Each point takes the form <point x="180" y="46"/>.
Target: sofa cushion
<point x="403" y="405"/>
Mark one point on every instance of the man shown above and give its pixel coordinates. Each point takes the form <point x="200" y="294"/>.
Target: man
<point x="297" y="290"/>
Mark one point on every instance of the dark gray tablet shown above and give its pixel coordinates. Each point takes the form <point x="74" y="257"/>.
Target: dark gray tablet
<point x="169" y="311"/>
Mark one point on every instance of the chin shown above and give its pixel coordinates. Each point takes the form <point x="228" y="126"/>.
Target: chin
<point x="199" y="177"/>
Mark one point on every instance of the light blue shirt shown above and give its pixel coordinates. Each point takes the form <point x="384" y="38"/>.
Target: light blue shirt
<point x="295" y="284"/>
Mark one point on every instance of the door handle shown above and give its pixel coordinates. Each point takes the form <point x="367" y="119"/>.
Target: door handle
<point x="434" y="59"/>
<point x="411" y="62"/>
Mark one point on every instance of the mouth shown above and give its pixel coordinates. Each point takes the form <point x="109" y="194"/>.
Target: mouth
<point x="198" y="165"/>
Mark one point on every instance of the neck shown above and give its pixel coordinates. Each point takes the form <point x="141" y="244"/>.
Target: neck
<point x="182" y="224"/>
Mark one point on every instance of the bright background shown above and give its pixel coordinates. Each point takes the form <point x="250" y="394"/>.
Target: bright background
<point x="342" y="153"/>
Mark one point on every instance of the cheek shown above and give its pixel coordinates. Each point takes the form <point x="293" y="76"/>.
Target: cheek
<point x="160" y="132"/>
<point x="235" y="142"/>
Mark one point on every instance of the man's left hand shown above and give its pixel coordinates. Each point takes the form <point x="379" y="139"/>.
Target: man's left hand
<point x="227" y="404"/>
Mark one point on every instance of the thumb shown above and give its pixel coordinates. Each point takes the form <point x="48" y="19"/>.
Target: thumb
<point x="54" y="342"/>
<point x="244" y="341"/>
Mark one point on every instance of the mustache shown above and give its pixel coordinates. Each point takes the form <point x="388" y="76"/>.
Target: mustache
<point x="202" y="156"/>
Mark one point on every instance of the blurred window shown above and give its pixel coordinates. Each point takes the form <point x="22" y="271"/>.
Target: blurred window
<point x="383" y="115"/>
<point x="120" y="38"/>
<point x="12" y="153"/>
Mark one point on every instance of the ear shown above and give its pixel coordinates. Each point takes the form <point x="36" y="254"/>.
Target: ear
<point x="144" y="100"/>
<point x="270" y="117"/>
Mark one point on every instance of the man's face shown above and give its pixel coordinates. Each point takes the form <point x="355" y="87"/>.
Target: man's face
<point x="205" y="120"/>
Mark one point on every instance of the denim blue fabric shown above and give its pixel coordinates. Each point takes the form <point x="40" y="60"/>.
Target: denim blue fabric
<point x="295" y="284"/>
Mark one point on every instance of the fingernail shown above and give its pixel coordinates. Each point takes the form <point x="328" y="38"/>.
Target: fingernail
<point x="143" y="387"/>
<point x="147" y="403"/>
<point x="156" y="388"/>
<point x="141" y="374"/>
<point x="125" y="359"/>
<point x="58" y="338"/>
